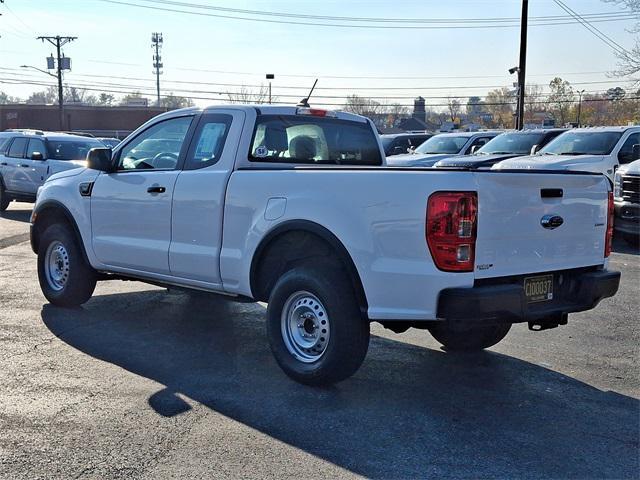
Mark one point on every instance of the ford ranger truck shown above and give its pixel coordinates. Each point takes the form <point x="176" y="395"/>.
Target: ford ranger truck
<point x="295" y="207"/>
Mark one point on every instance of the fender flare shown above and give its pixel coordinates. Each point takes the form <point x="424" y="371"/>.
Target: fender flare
<point x="59" y="207"/>
<point x="326" y="235"/>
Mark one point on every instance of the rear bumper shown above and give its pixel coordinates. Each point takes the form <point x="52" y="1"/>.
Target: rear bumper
<point x="574" y="291"/>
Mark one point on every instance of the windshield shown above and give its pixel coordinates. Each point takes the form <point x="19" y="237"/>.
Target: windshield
<point x="314" y="140"/>
<point x="70" y="149"/>
<point x="520" y="143"/>
<point x="442" y="144"/>
<point x="582" y="143"/>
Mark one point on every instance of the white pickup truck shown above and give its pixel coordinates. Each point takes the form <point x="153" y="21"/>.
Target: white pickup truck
<point x="295" y="207"/>
<point x="594" y="149"/>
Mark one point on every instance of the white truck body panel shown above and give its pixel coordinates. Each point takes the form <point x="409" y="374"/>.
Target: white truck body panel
<point x="204" y="230"/>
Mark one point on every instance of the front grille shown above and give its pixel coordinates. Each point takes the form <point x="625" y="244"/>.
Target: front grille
<point x="631" y="188"/>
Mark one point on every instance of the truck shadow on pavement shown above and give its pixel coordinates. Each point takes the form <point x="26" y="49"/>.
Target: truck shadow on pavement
<point x="17" y="215"/>
<point x="408" y="412"/>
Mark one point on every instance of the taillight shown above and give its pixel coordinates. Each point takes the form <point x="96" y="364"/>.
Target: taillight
<point x="451" y="230"/>
<point x="609" y="237"/>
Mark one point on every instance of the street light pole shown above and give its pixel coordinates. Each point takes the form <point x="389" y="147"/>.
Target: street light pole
<point x="580" y="92"/>
<point x="270" y="76"/>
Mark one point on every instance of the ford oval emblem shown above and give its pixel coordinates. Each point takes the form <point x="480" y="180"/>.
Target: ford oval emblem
<point x="551" y="221"/>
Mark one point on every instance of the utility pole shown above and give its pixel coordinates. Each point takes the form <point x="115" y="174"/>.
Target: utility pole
<point x="580" y="92"/>
<point x="522" y="66"/>
<point x="156" y="43"/>
<point x="59" y="42"/>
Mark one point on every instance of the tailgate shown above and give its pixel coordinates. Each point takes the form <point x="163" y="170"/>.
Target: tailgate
<point x="512" y="208"/>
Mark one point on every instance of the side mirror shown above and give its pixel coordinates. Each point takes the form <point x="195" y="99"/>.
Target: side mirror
<point x="635" y="151"/>
<point x="475" y="148"/>
<point x="100" y="159"/>
<point x="36" y="156"/>
<point x="535" y="149"/>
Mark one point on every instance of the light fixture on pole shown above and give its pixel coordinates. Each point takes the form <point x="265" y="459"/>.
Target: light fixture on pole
<point x="270" y="76"/>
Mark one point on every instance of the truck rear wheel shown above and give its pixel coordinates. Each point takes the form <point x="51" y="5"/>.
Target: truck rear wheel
<point x="314" y="325"/>
<point x="4" y="199"/>
<point x="466" y="337"/>
<point x="66" y="279"/>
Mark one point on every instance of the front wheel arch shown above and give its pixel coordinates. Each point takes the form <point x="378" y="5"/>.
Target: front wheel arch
<point x="50" y="213"/>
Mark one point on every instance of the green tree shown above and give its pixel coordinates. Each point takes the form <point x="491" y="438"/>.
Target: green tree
<point x="172" y="102"/>
<point x="5" y="99"/>
<point x="561" y="99"/>
<point x="106" y="99"/>
<point x="500" y="104"/>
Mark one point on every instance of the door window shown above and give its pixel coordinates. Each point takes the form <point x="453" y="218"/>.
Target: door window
<point x="208" y="141"/>
<point x="478" y="142"/>
<point x="625" y="155"/>
<point x="157" y="148"/>
<point x="17" y="148"/>
<point x="36" y="145"/>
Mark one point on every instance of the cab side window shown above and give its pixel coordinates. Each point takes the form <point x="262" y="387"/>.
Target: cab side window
<point x="157" y="148"/>
<point x="625" y="155"/>
<point x="17" y="148"/>
<point x="208" y="141"/>
<point x="36" y="146"/>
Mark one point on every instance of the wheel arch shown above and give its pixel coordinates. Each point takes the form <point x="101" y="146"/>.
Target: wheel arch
<point x="49" y="213"/>
<point x="316" y="233"/>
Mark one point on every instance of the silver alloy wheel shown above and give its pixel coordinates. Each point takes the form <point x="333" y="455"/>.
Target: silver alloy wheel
<point x="305" y="326"/>
<point x="56" y="265"/>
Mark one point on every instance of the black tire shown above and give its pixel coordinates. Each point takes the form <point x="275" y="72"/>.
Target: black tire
<point x="633" y="240"/>
<point x="348" y="341"/>
<point x="4" y="199"/>
<point x="79" y="279"/>
<point x="466" y="337"/>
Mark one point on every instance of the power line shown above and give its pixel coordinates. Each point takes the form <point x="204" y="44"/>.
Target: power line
<point x="124" y="90"/>
<point x="317" y="24"/>
<point x="598" y="33"/>
<point x="371" y="19"/>
<point x="349" y="88"/>
<point x="148" y="89"/>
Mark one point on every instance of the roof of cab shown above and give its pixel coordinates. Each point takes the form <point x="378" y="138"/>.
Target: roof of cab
<point x="469" y="134"/>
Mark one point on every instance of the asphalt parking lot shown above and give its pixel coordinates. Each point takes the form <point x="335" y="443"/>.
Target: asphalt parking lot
<point x="144" y="383"/>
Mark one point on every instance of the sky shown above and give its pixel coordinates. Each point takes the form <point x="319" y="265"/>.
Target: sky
<point x="213" y="55"/>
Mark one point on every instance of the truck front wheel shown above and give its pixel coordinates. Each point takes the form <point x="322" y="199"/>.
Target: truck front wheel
<point x="66" y="279"/>
<point x="314" y="325"/>
<point x="467" y="337"/>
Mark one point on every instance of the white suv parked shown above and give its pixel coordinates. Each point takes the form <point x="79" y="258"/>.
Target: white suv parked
<point x="596" y="149"/>
<point x="29" y="157"/>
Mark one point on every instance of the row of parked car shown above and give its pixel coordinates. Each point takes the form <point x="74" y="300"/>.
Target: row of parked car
<point x="28" y="157"/>
<point x="612" y="151"/>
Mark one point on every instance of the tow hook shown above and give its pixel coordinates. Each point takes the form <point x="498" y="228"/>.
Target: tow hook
<point x="548" y="323"/>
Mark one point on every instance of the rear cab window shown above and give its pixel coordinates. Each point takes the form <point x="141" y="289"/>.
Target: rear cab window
<point x="303" y="139"/>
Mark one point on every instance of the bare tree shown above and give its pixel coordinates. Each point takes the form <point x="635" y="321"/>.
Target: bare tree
<point x="532" y="101"/>
<point x="455" y="107"/>
<point x="247" y="95"/>
<point x="629" y="60"/>
<point x="362" y="106"/>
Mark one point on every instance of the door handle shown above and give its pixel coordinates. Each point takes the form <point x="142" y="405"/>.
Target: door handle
<point x="4" y="163"/>
<point x="156" y="189"/>
<point x="23" y="165"/>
